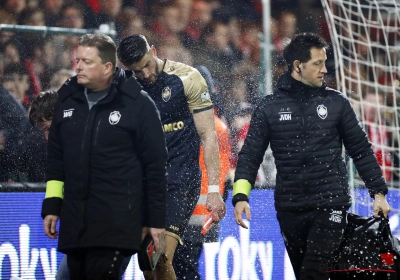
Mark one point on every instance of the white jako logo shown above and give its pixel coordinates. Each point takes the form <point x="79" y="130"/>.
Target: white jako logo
<point x="322" y="111"/>
<point x="114" y="117"/>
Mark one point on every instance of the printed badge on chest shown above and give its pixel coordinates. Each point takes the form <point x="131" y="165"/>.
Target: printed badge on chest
<point x="322" y="111"/>
<point x="166" y="94"/>
<point x="285" y="114"/>
<point x="114" y="117"/>
<point x="68" y="113"/>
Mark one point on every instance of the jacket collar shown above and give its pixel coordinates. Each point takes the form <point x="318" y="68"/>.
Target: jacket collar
<point x="290" y="85"/>
<point x="123" y="81"/>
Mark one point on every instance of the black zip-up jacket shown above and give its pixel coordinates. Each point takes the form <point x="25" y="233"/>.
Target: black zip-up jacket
<point x="307" y="128"/>
<point x="13" y="124"/>
<point x="112" y="160"/>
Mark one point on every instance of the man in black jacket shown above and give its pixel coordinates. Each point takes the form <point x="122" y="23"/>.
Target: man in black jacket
<point x="306" y="125"/>
<point x="13" y="124"/>
<point x="106" y="171"/>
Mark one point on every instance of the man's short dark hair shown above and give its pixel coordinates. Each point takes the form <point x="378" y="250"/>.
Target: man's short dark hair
<point x="132" y="49"/>
<point x="43" y="107"/>
<point x="300" y="46"/>
<point x="106" y="47"/>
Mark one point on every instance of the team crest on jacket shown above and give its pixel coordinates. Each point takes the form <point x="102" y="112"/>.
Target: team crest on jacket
<point x="166" y="94"/>
<point x="114" y="117"/>
<point x="322" y="111"/>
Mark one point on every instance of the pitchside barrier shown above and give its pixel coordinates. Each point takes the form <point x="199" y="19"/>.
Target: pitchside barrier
<point x="256" y="253"/>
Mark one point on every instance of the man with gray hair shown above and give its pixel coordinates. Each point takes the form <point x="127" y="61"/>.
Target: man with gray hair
<point x="106" y="171"/>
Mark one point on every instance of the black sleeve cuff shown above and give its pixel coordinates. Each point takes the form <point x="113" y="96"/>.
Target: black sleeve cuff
<point x="372" y="193"/>
<point x="51" y="206"/>
<point x="239" y="197"/>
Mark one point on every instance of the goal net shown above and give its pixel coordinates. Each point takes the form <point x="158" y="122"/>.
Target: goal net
<point x="365" y="39"/>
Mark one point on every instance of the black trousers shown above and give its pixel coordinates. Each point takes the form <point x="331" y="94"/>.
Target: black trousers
<point x="186" y="260"/>
<point x="96" y="263"/>
<point x="311" y="238"/>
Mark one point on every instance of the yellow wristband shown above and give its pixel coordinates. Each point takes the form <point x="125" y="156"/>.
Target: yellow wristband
<point x="54" y="189"/>
<point x="242" y="186"/>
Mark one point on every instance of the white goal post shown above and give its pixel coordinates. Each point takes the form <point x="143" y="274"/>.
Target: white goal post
<point x="365" y="36"/>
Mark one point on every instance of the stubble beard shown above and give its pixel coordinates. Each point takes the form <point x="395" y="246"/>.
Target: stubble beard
<point x="155" y="76"/>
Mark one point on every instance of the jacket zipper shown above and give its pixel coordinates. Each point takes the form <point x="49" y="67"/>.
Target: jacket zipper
<point x="84" y="137"/>
<point x="303" y="136"/>
<point x="97" y="132"/>
<point x="129" y="197"/>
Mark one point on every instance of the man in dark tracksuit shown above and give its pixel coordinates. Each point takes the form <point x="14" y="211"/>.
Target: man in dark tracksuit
<point x="106" y="171"/>
<point x="306" y="125"/>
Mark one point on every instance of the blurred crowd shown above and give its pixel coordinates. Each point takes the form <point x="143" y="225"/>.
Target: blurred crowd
<point x="222" y="35"/>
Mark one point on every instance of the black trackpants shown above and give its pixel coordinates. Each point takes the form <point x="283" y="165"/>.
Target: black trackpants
<point x="311" y="238"/>
<point x="186" y="260"/>
<point x="96" y="263"/>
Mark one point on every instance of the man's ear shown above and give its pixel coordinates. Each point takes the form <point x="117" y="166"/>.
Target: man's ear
<point x="154" y="50"/>
<point x="296" y="65"/>
<point x="108" y="67"/>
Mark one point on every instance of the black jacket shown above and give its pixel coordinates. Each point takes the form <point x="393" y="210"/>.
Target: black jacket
<point x="13" y="124"/>
<point x="306" y="128"/>
<point x="112" y="160"/>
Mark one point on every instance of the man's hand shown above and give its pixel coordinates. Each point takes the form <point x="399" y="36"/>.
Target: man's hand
<point x="215" y="204"/>
<point x="49" y="224"/>
<point x="240" y="207"/>
<point x="158" y="235"/>
<point x="380" y="204"/>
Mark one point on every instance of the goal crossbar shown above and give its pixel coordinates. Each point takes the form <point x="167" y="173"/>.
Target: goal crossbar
<point x="104" y="29"/>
